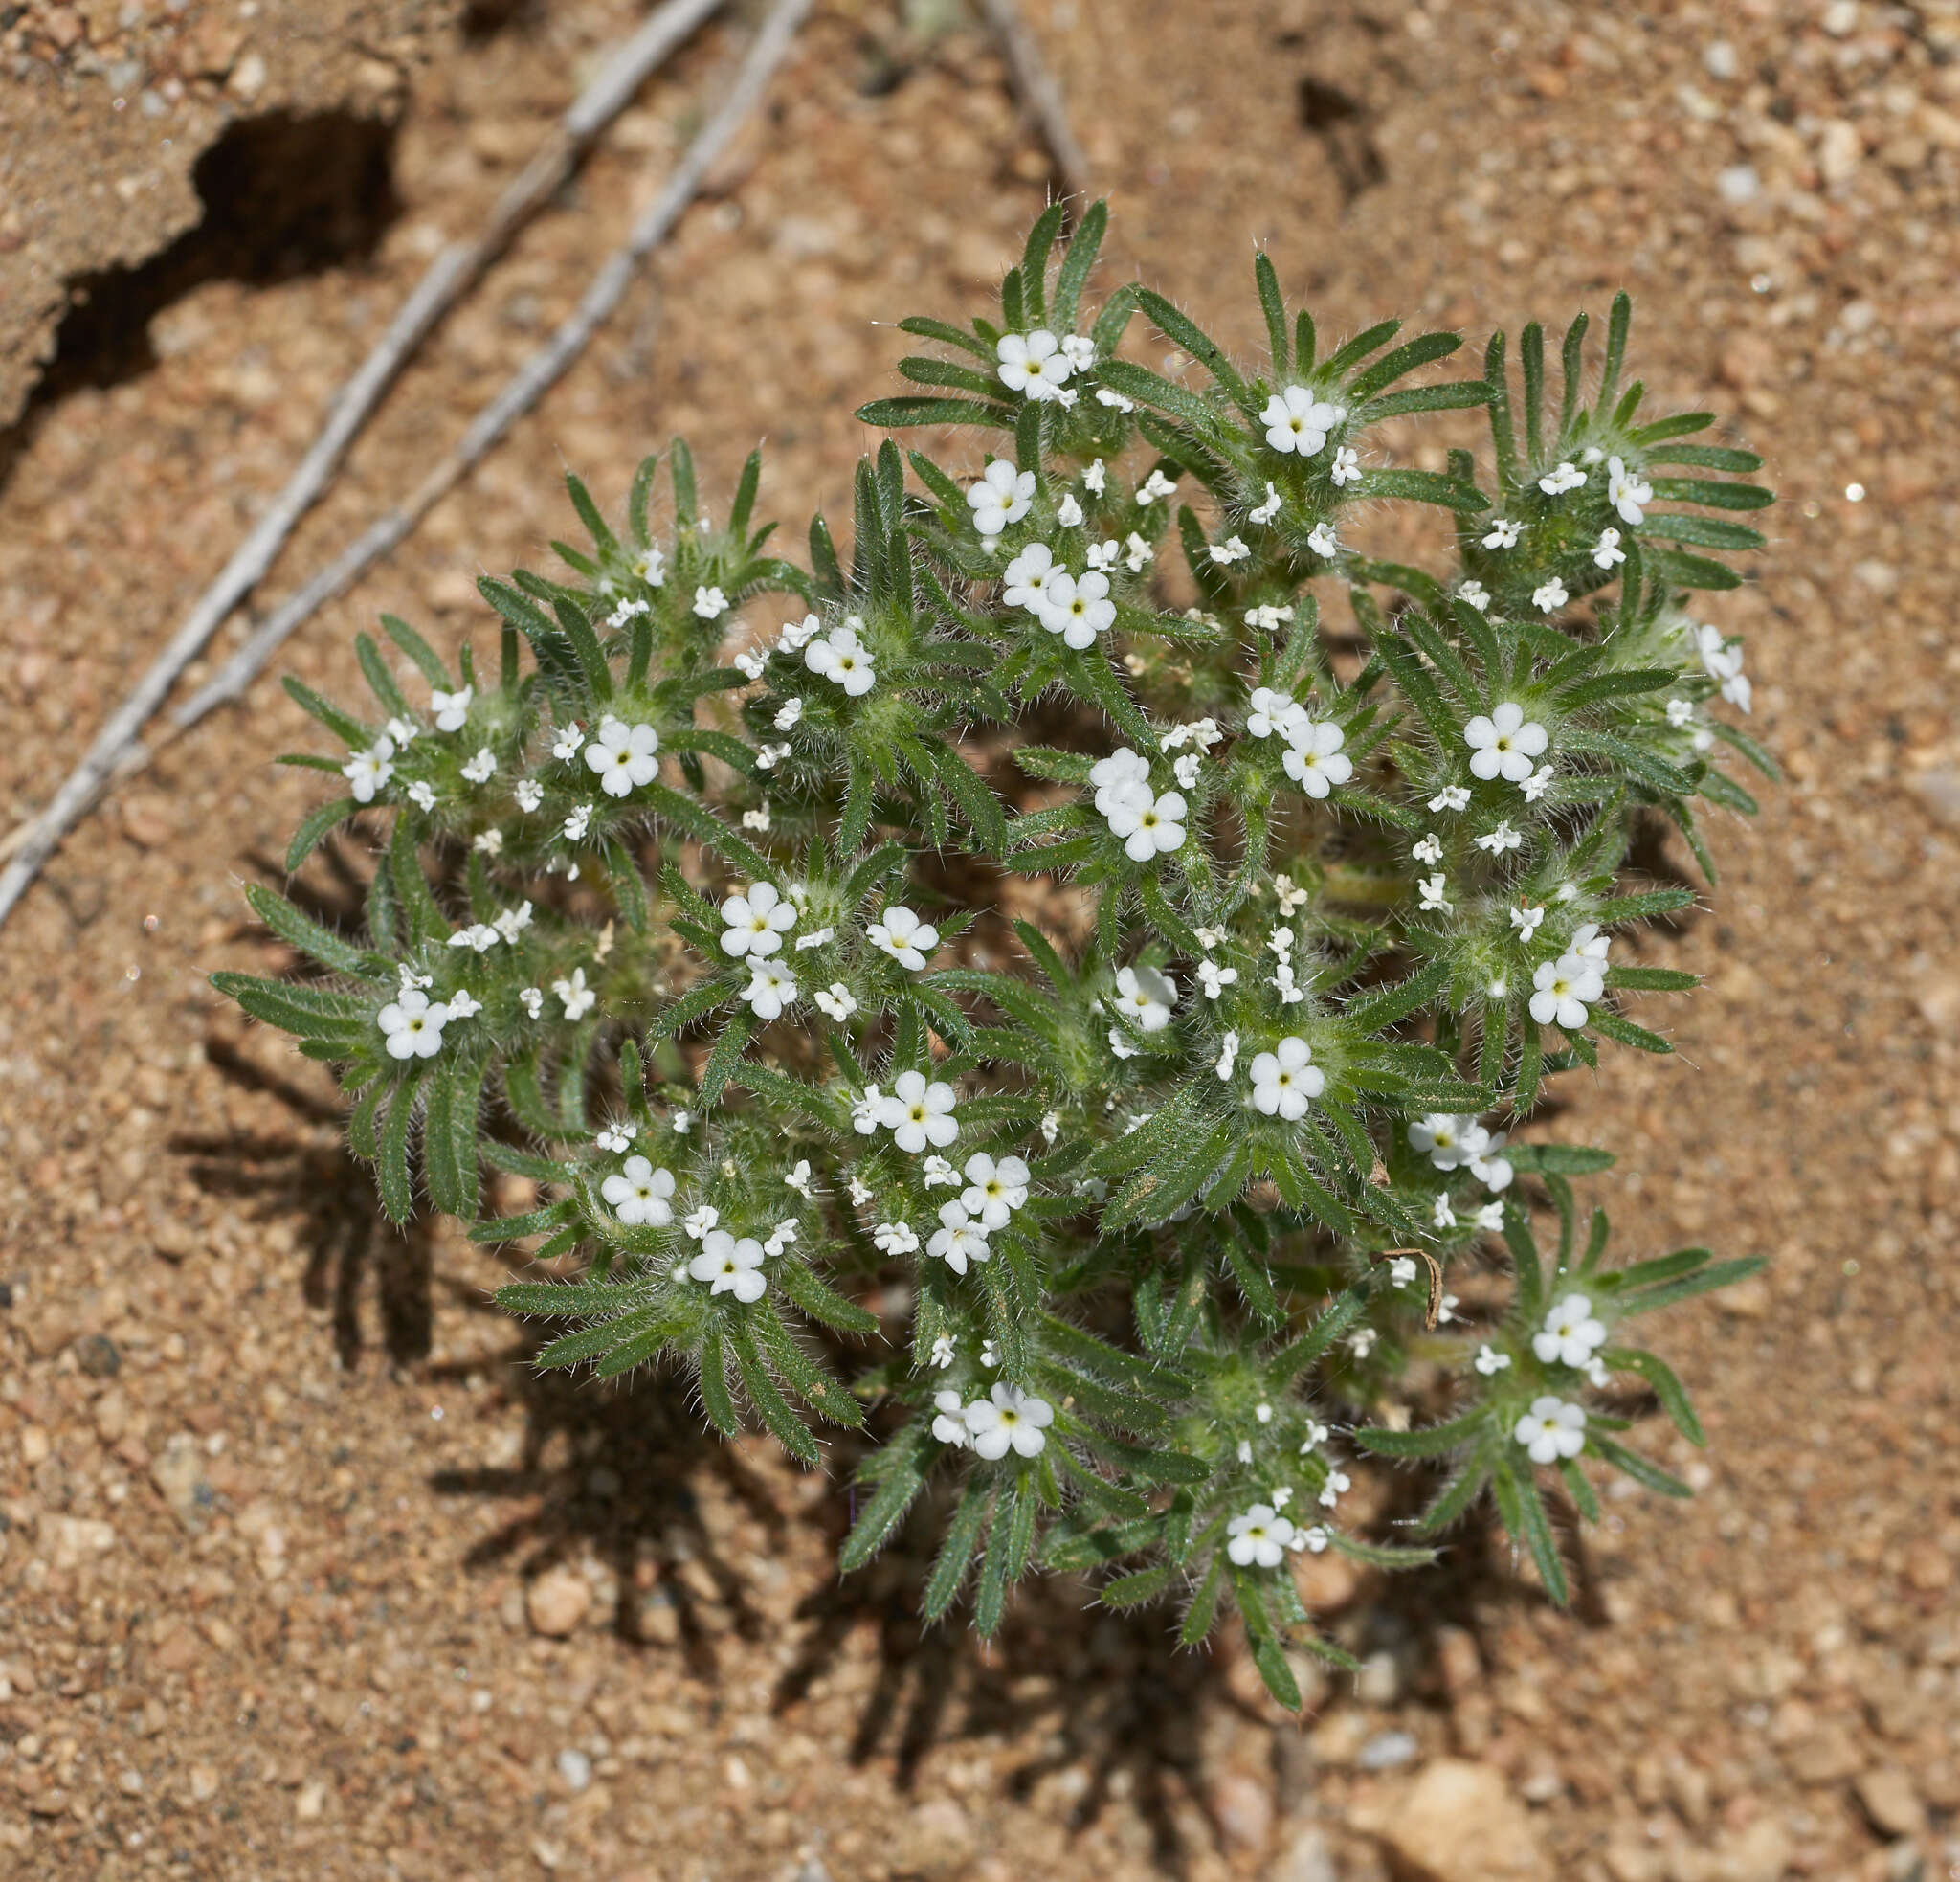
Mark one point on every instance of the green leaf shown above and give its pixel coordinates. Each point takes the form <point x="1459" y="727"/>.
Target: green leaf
<point x="714" y="1387"/>
<point x="397" y="1193"/>
<point x="956" y="1552"/>
<point x="1427" y="1441"/>
<point x="1667" y="1387"/>
<point x="902" y="1474"/>
<point x="1134" y="1590"/>
<point x="314" y="826"/>
<point x="1418" y="486"/>
<point x="803" y="1287"/>
<point x="1647" y="1475"/>
<point x="898" y="413"/>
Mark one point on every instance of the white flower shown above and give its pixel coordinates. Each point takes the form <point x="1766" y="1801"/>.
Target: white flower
<point x="1114" y="400"/>
<point x="422" y="794"/>
<point x="1567" y="477"/>
<point x="1505" y="744"/>
<point x="1026" y="578"/>
<point x="990" y="1357"/>
<point x="650" y="566"/>
<point x="1538" y="783"/>
<point x="899" y="933"/>
<point x="798" y="1178"/>
<point x="1607" y="552"/>
<point x="1186" y="768"/>
<point x="1526" y="919"/>
<point x="918" y="1113"/>
<point x="1296" y="422"/>
<point x="1069" y="513"/>
<point x="781" y="1236"/>
<point x="1346" y="467"/>
<point x="1504" y="533"/>
<point x="1260" y="1537"/>
<point x="1430" y="894"/>
<point x="1338" y="1484"/>
<point x="1490" y="1218"/>
<point x="627" y="611"/>
<point x="837" y="1001"/>
<point x="488" y="842"/>
<point x="1096" y="477"/>
<point x="577" y="999"/>
<point x="798" y="634"/>
<point x="1500" y="840"/>
<point x="842" y="660"/>
<point x="1001" y="496"/>
<point x="1570" y="1336"/>
<point x="1720" y="659"/>
<point x="1033" y="362"/>
<point x="482" y="937"/>
<point x="366" y="772"/>
<point x="750" y="665"/>
<point x="639" y="1193"/>
<point x="1444" y="1215"/>
<point x="1228" y="1057"/>
<point x="451" y="710"/>
<point x="1267" y="510"/>
<point x="1315" y="1538"/>
<point x="1322" y="540"/>
<point x="1587" y="943"/>
<point x="1627" y="491"/>
<point x="1361" y="1341"/>
<point x="1272" y="713"/>
<point x="1474" y="593"/>
<point x="529" y="795"/>
<point x="533" y="998"/>
<point x="576" y="825"/>
<point x="567" y="742"/>
<point x="735" y="1267"/>
<point x="412" y="1025"/>
<point x="1140" y="552"/>
<point x="1232" y="549"/>
<point x="1489" y="1360"/>
<point x="1077" y="608"/>
<point x="1429" y="851"/>
<point x="1268" y="617"/>
<point x="1448" y="1142"/>
<point x="936" y="1171"/>
<point x="757" y="819"/>
<point x="757" y="921"/>
<point x="1102" y="556"/>
<point x="1548" y="597"/>
<point x="402" y="730"/>
<point x="771" y="987"/>
<point x="682" y="1121"/>
<point x="1155" y="485"/>
<point x="949" y="1424"/>
<point x="463" y="1004"/>
<point x="701" y="1222"/>
<point x="623" y="755"/>
<point x="1080" y="351"/>
<point x="959" y="1239"/>
<point x="480" y="769"/>
<point x="942" y="1352"/>
<point x="1215" y="978"/>
<point x="709" y="603"/>
<point x="894" y="1237"/>
<point x="1145" y="997"/>
<point x="1553" y="1428"/>
<point x="1012" y="1418"/>
<point x="1149" y="825"/>
<point x="996" y="1189"/>
<point x="1314" y="759"/>
<point x="1402" y="1270"/>
<point x="614" y="1137"/>
<point x="860" y="1192"/>
<point x="1566" y="988"/>
<point x="1681" y="712"/>
<point x="1284" y="1079"/>
<point x="1452" y="797"/>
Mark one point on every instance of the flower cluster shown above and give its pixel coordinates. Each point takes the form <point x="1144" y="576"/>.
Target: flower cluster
<point x="1117" y="1192"/>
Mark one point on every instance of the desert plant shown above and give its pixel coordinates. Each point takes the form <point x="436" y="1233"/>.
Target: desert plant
<point x="1136" y="1224"/>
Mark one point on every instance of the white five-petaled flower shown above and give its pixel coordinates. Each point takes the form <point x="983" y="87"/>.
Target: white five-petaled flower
<point x="1681" y="712"/>
<point x="1069" y="513"/>
<point x="1313" y="757"/>
<point x="1448" y="1142"/>
<point x="451" y="710"/>
<point x="1272" y="713"/>
<point x="710" y="603"/>
<point x="480" y="769"/>
<point x="936" y="1170"/>
<point x="1607" y="552"/>
<point x="1567" y="477"/>
<point x="1570" y="1336"/>
<point x="1213" y="979"/>
<point x="771" y="987"/>
<point x="1431" y="893"/>
<point x="701" y="1221"/>
<point x="574" y="995"/>
<point x="529" y="795"/>
<point x="1145" y="997"/>
<point x="533" y="998"/>
<point x="366" y="772"/>
<point x="1627" y="491"/>
<point x="894" y="1237"/>
<point x="999" y="495"/>
<point x="1538" y="783"/>
<point x="757" y="921"/>
<point x="1034" y="363"/>
<point x="1260" y="1537"/>
<point x="1490" y="1360"/>
<point x="650" y="566"/>
<point x="1323" y="541"/>
<point x="1232" y="549"/>
<point x="1475" y="594"/>
<point x="1500" y="840"/>
<point x="867" y="1111"/>
<point x="1346" y="467"/>
<point x="1267" y="510"/>
<point x="1452" y="797"/>
<point x="1286" y="1078"/>
<point x="959" y="1239"/>
<point x="1504" y="533"/>
<point x="843" y="659"/>
<point x="994" y="1190"/>
<point x="625" y="757"/>
<point x="1549" y="597"/>
<point x="1080" y="351"/>
<point x="1298" y="423"/>
<point x="918" y="1114"/>
<point x="735" y="1267"/>
<point x="798" y="1178"/>
<point x="412" y="1025"/>
<point x="1551" y="1429"/>
<point x="567" y="742"/>
<point x="1722" y="660"/>
<point x="1565" y="988"/>
<point x="1025" y="579"/>
<point x="615" y="1136"/>
<point x="1429" y="851"/>
<point x="1505" y="744"/>
<point x="1337" y="1486"/>
<point x="1228" y="1057"/>
<point x="638" y="1194"/>
<point x="1525" y="918"/>
<point x="1156" y="485"/>
<point x="1077" y="608"/>
<point x="950" y="1422"/>
<point x="1147" y="824"/>
<point x="837" y="1001"/>
<point x="1009" y="1418"/>
<point x="899" y="933"/>
<point x="422" y="794"/>
<point x="1097" y="477"/>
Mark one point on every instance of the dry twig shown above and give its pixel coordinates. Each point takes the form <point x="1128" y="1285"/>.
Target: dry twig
<point x="448" y="277"/>
<point x="1040" y="96"/>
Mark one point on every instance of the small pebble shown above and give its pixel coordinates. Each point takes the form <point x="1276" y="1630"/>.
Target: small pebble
<point x="576" y="1768"/>
<point x="1387" y="1750"/>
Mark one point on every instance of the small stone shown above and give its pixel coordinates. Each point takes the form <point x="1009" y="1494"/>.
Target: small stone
<point x="310" y="1805"/>
<point x="1379" y="1682"/>
<point x="147" y="822"/>
<point x="1929" y="1568"/>
<point x="1890" y="1801"/>
<point x="204" y="1783"/>
<point x="75" y="1541"/>
<point x="1738" y="184"/>
<point x="576" y="1768"/>
<point x="1758" y="1853"/>
<point x="1386" y="1751"/>
<point x="178" y="1474"/>
<point x="97" y="1355"/>
<point x="129" y="1781"/>
<point x="1745" y="1300"/>
<point x="1458" y="1823"/>
<point x="177" y="1651"/>
<point x="1719" y="60"/>
<point x="556" y="1602"/>
<point x="1457" y="1659"/>
<point x="1243" y="1808"/>
<point x="1828" y="1756"/>
<point x="1307" y="1858"/>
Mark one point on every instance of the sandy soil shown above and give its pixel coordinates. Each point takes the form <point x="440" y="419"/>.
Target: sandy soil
<point x="301" y="1574"/>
